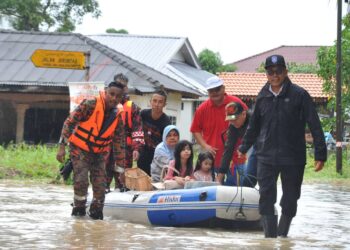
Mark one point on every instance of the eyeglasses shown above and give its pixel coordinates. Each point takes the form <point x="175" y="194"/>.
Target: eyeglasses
<point x="216" y="89"/>
<point x="278" y="71"/>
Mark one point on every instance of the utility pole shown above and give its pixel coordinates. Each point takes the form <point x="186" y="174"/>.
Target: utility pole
<point x="87" y="65"/>
<point x="338" y="107"/>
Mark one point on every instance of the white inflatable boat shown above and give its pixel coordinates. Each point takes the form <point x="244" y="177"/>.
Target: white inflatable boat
<point x="205" y="206"/>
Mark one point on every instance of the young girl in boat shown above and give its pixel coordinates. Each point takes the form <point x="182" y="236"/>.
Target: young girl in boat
<point x="180" y="170"/>
<point x="204" y="167"/>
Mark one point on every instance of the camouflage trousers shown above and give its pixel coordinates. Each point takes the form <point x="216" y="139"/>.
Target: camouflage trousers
<point x="111" y="172"/>
<point x="83" y="164"/>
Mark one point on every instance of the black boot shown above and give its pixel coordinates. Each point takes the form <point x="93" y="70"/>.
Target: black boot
<point x="78" y="211"/>
<point x="96" y="214"/>
<point x="283" y="225"/>
<point x="270" y="225"/>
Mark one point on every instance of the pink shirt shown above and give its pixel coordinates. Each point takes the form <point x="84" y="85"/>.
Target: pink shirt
<point x="171" y="170"/>
<point x="201" y="176"/>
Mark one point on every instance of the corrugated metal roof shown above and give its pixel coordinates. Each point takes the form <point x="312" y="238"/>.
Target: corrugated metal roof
<point x="154" y="51"/>
<point x="16" y="47"/>
<point x="162" y="54"/>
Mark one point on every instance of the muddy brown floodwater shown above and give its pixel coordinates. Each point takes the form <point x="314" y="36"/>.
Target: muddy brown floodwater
<point x="36" y="216"/>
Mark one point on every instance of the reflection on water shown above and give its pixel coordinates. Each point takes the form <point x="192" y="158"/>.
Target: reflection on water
<point x="38" y="217"/>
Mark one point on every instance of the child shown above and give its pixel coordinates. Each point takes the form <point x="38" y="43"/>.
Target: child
<point x="180" y="170"/>
<point x="203" y="170"/>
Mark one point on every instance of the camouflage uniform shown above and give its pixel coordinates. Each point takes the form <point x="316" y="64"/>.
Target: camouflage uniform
<point x="85" y="162"/>
<point x="135" y="132"/>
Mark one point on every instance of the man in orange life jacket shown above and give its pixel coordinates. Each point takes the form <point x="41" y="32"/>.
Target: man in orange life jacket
<point x="133" y="132"/>
<point x="90" y="130"/>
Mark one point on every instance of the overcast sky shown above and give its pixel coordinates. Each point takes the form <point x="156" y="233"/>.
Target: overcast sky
<point x="236" y="29"/>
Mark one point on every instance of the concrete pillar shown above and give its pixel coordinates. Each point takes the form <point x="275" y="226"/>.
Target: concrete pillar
<point x="21" y="111"/>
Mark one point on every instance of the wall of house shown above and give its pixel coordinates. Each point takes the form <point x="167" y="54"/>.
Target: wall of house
<point x="7" y="122"/>
<point x="33" y="118"/>
<point x="172" y="109"/>
<point x="186" y="119"/>
<point x="38" y="118"/>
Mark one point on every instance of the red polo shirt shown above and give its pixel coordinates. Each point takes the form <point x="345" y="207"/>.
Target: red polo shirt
<point x="209" y="120"/>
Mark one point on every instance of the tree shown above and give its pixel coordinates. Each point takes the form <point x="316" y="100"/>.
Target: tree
<point x="212" y="62"/>
<point x="44" y="15"/>
<point x="113" y="30"/>
<point x="293" y="67"/>
<point x="326" y="59"/>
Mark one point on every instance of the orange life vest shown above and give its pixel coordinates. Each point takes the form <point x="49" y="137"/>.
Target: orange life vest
<point x="88" y="135"/>
<point x="127" y="119"/>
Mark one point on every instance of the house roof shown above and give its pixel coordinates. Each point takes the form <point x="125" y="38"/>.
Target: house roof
<point x="297" y="54"/>
<point x="16" y="48"/>
<point x="248" y="85"/>
<point x="173" y="56"/>
<point x="154" y="51"/>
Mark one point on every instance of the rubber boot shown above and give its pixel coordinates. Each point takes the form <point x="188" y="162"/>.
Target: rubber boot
<point x="283" y="225"/>
<point x="270" y="225"/>
<point x="78" y="211"/>
<point x="96" y="214"/>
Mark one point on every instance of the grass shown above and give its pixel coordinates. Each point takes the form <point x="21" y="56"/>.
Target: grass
<point x="329" y="172"/>
<point x="38" y="162"/>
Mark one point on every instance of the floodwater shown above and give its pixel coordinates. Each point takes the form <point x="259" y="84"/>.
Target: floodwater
<point x="38" y="217"/>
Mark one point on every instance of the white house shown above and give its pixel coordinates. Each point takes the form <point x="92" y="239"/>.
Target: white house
<point x="35" y="101"/>
<point x="171" y="56"/>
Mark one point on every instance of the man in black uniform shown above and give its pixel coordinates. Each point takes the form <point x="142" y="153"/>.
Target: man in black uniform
<point x="277" y="127"/>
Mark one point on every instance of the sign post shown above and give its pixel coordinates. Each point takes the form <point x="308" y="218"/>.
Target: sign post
<point x="59" y="59"/>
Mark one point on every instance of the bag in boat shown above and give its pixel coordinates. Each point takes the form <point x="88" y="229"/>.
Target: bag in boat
<point x="137" y="179"/>
<point x="172" y="184"/>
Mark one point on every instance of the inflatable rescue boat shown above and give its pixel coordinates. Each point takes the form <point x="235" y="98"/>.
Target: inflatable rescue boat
<point x="213" y="206"/>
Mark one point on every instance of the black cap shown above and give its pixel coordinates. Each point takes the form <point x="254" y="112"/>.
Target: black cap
<point x="233" y="110"/>
<point x="275" y="60"/>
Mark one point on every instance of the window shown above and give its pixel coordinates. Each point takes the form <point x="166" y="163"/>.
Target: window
<point x="173" y="120"/>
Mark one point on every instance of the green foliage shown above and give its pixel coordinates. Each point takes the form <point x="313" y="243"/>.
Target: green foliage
<point x="21" y="161"/>
<point x="113" y="30"/>
<point x="227" y="68"/>
<point x="62" y="15"/>
<point x="327" y="61"/>
<point x="293" y="67"/>
<point x="210" y="60"/>
<point x="329" y="171"/>
<point x="303" y="68"/>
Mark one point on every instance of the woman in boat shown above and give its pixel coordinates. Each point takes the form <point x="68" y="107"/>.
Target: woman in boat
<point x="180" y="169"/>
<point x="164" y="151"/>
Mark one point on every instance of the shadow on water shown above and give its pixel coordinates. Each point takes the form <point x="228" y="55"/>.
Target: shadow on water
<point x="38" y="217"/>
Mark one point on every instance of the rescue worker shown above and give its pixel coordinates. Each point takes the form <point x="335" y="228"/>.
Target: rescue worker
<point x="90" y="130"/>
<point x="277" y="127"/>
<point x="134" y="136"/>
<point x="238" y="119"/>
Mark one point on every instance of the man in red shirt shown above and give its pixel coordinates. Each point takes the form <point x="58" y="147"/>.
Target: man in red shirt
<point x="209" y="120"/>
